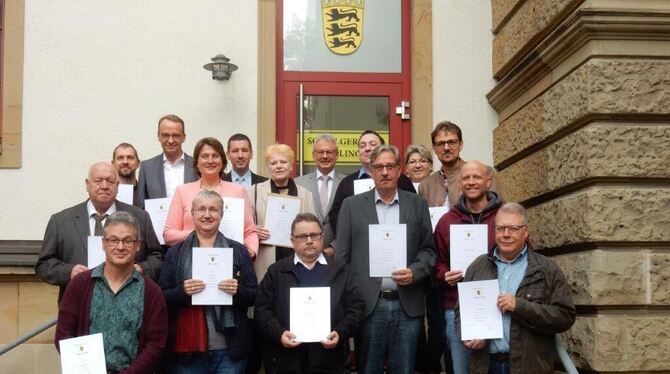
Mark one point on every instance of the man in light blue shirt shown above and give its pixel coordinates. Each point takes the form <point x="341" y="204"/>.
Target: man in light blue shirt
<point x="534" y="300"/>
<point x="240" y="154"/>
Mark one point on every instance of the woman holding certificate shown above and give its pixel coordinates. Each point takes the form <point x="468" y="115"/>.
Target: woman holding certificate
<point x="276" y="202"/>
<point x="210" y="270"/>
<point x="209" y="163"/>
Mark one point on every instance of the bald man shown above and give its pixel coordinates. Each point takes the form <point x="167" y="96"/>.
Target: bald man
<point x="64" y="249"/>
<point x="476" y="205"/>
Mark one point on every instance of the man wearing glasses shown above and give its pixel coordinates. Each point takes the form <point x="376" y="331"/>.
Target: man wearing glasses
<point x="441" y="188"/>
<point x="308" y="267"/>
<point x="118" y="301"/>
<point x="159" y="176"/>
<point x="64" y="251"/>
<point x="534" y="300"/>
<point x="323" y="183"/>
<point x="394" y="306"/>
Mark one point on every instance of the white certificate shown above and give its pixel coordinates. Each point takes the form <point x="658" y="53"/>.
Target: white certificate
<point x="158" y="211"/>
<point x="83" y="355"/>
<point x="309" y="313"/>
<point x="363" y="185"/>
<point x="466" y="243"/>
<point x="280" y="212"/>
<point x="212" y="265"/>
<point x="436" y="212"/>
<point x="388" y="249"/>
<point x="95" y="255"/>
<point x="480" y="316"/>
<point x="125" y="193"/>
<point x="232" y="222"/>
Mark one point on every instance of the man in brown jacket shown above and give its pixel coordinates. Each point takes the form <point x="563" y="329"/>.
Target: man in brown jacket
<point x="534" y="300"/>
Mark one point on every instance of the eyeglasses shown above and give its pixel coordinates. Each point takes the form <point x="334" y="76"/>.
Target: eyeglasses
<point x="513" y="229"/>
<point x="115" y="241"/>
<point x="388" y="167"/>
<point x="414" y="162"/>
<point x="176" y="137"/>
<point x="311" y="236"/>
<point x="213" y="211"/>
<point x="323" y="153"/>
<point x="449" y="143"/>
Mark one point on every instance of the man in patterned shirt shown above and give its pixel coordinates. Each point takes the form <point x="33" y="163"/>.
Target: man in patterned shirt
<point x="118" y="301"/>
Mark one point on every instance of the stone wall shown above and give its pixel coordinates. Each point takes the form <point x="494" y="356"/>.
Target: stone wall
<point x="583" y="142"/>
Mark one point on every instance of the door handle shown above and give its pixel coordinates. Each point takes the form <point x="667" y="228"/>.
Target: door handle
<point x="402" y="110"/>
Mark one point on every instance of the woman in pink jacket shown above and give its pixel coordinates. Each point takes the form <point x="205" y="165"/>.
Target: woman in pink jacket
<point x="209" y="163"/>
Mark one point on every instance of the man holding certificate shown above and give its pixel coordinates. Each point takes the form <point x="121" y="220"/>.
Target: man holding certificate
<point x="307" y="306"/>
<point x="465" y="231"/>
<point x="386" y="237"/>
<point x="206" y="333"/>
<point x="119" y="302"/>
<point x="65" y="251"/>
<point x="534" y="300"/>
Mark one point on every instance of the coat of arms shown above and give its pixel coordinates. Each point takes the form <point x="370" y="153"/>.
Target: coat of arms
<point x="343" y="25"/>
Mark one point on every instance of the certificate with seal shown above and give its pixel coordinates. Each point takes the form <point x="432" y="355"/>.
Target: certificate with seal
<point x="466" y="243"/>
<point x="83" y="355"/>
<point x="363" y="185"/>
<point x="212" y="265"/>
<point x="280" y="211"/>
<point x="480" y="316"/>
<point x="232" y="222"/>
<point x="309" y="313"/>
<point x="95" y="253"/>
<point x="388" y="249"/>
<point x="158" y="211"/>
<point x="436" y="212"/>
<point x="125" y="193"/>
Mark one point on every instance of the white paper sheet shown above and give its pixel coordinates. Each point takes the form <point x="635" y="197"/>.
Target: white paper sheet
<point x="436" y="212"/>
<point x="280" y="212"/>
<point x="232" y="222"/>
<point x="212" y="265"/>
<point x="466" y="243"/>
<point x="83" y="355"/>
<point x="480" y="316"/>
<point x="95" y="253"/>
<point x="125" y="193"/>
<point x="309" y="313"/>
<point x="388" y="249"/>
<point x="363" y="185"/>
<point x="158" y="211"/>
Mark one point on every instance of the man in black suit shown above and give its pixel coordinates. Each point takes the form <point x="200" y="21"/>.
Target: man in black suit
<point x="368" y="141"/>
<point x="64" y="249"/>
<point x="240" y="154"/>
<point x="160" y="176"/>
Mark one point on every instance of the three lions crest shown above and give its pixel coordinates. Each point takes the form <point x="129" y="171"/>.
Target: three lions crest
<point x="343" y="25"/>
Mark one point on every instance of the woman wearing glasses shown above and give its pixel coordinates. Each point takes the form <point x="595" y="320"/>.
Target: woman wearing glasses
<point x="418" y="164"/>
<point x="279" y="160"/>
<point x="209" y="163"/>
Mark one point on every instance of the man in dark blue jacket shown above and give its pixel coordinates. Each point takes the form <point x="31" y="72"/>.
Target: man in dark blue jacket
<point x="307" y="268"/>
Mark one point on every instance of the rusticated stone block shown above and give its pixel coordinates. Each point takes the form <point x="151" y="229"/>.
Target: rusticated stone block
<point x="598" y="86"/>
<point x="531" y="18"/>
<point x="606" y="277"/>
<point x="602" y="214"/>
<point x="659" y="273"/>
<point x="598" y="150"/>
<point x="620" y="342"/>
<point x="500" y="9"/>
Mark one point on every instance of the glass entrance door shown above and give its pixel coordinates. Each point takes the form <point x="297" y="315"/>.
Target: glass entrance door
<point x="342" y="110"/>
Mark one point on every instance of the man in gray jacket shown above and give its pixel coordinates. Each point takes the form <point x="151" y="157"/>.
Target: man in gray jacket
<point x="534" y="299"/>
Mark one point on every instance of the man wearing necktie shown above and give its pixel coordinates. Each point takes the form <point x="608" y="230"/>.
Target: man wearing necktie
<point x="64" y="251"/>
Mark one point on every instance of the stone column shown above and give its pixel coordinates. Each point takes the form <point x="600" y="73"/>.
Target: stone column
<point x="583" y="142"/>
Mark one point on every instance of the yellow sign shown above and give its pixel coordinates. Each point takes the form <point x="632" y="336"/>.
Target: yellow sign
<point x="347" y="145"/>
<point x="343" y="25"/>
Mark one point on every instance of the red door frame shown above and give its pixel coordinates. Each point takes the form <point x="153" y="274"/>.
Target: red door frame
<point x="285" y="130"/>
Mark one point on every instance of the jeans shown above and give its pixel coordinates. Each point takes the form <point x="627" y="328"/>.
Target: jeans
<point x="460" y="355"/>
<point x="211" y="362"/>
<point x="497" y="367"/>
<point x="388" y="330"/>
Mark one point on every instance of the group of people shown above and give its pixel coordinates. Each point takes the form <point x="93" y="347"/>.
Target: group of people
<point x="140" y="296"/>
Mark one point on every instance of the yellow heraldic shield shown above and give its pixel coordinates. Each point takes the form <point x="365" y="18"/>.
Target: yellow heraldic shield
<point x="343" y="25"/>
